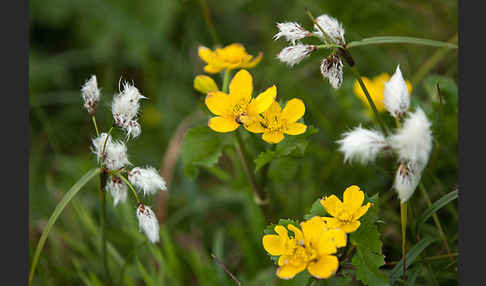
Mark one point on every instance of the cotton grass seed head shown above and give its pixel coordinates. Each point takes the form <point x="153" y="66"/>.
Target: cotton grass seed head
<point x="413" y="142"/>
<point x="291" y="31"/>
<point x="117" y="189"/>
<point x="332" y="27"/>
<point x="125" y="108"/>
<point x="332" y="69"/>
<point x="396" y="95"/>
<point x="294" y="54"/>
<point x="90" y="94"/>
<point x="115" y="155"/>
<point x="362" y="145"/>
<point x="148" y="223"/>
<point x="147" y="179"/>
<point x="407" y="178"/>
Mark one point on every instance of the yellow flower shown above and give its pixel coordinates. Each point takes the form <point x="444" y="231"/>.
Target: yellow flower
<point x="237" y="107"/>
<point x="346" y="213"/>
<point x="311" y="248"/>
<point x="204" y="84"/>
<point x="274" y="122"/>
<point x="376" y="88"/>
<point x="230" y="57"/>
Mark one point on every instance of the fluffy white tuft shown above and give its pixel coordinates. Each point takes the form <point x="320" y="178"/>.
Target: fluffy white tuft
<point x="90" y="94"/>
<point x="362" y="145"/>
<point x="147" y="179"/>
<point x="118" y="190"/>
<point x="291" y="31"/>
<point x="413" y="142"/>
<point x="125" y="109"/>
<point x="397" y="98"/>
<point x="148" y="223"/>
<point x="332" y="69"/>
<point x="332" y="27"/>
<point x="407" y="178"/>
<point x="116" y="155"/>
<point x="294" y="54"/>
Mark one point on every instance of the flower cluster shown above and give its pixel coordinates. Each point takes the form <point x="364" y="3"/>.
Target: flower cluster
<point x="412" y="142"/>
<point x="230" y="57"/>
<point x="314" y="245"/>
<point x="113" y="158"/>
<point x="329" y="31"/>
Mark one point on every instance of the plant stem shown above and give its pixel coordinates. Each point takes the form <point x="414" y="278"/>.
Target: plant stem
<point x="227" y="74"/>
<point x="95" y="125"/>
<point x="436" y="220"/>
<point x="129" y="186"/>
<point x="403" y="216"/>
<point x="209" y="22"/>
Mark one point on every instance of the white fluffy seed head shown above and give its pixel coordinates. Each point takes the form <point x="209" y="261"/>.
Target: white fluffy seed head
<point x="362" y="145"/>
<point x="148" y="223"/>
<point x="147" y="179"/>
<point x="397" y="98"/>
<point x="125" y="109"/>
<point x="332" y="69"/>
<point x="407" y="178"/>
<point x="294" y="54"/>
<point x="90" y="94"/>
<point x="116" y="156"/>
<point x="117" y="189"/>
<point x="332" y="27"/>
<point x="291" y="31"/>
<point x="413" y="142"/>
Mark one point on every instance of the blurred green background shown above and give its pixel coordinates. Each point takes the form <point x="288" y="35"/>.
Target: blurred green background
<point x="154" y="44"/>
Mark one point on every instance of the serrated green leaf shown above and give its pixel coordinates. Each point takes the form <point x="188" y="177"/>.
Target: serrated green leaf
<point x="367" y="265"/>
<point x="412" y="254"/>
<point x="263" y="159"/>
<point x="201" y="147"/>
<point x="316" y="210"/>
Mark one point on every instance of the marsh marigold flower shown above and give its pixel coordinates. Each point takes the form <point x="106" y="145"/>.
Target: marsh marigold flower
<point x="312" y="248"/>
<point x="275" y="122"/>
<point x="345" y="213"/>
<point x="230" y="57"/>
<point x="204" y="84"/>
<point x="376" y="88"/>
<point x="238" y="107"/>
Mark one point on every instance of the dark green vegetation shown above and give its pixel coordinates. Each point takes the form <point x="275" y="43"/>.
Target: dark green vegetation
<point x="154" y="44"/>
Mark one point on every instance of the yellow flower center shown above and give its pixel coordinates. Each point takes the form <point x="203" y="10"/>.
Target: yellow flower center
<point x="273" y="123"/>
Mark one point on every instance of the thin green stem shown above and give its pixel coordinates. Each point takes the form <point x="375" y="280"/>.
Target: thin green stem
<point x="357" y="75"/>
<point x="403" y="216"/>
<point x="436" y="219"/>
<point x="129" y="186"/>
<point x="310" y="281"/>
<point x="328" y="38"/>
<point x="93" y="118"/>
<point x="209" y="22"/>
<point x="328" y="46"/>
<point x="227" y="74"/>
<point x="104" y="146"/>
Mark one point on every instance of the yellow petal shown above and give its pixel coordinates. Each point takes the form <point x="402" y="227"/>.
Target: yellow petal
<point x="254" y="127"/>
<point x="284" y="259"/>
<point x="332" y="205"/>
<point x="381" y="79"/>
<point x="241" y="86"/>
<point x="294" y="110"/>
<point x="297" y="232"/>
<point x="349" y="227"/>
<point x="218" y="102"/>
<point x="337" y="237"/>
<point x="222" y="124"/>
<point x="254" y="62"/>
<point x="313" y="229"/>
<point x="295" y="128"/>
<point x="324" y="268"/>
<point x="273" y="244"/>
<point x="288" y="271"/>
<point x="204" y="84"/>
<point x="353" y="198"/>
<point x="272" y="137"/>
<point x="331" y="222"/>
<point x="213" y="69"/>
<point x="361" y="211"/>
<point x="205" y="53"/>
<point x="273" y="110"/>
<point x="281" y="231"/>
<point x="409" y="86"/>
<point x="263" y="101"/>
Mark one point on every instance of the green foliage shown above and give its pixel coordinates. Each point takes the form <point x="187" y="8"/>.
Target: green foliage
<point x="369" y="257"/>
<point x="316" y="210"/>
<point x="202" y="147"/>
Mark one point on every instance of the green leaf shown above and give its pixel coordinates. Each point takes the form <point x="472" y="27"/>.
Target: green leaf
<point x="403" y="40"/>
<point x="368" y="257"/>
<point x="316" y="210"/>
<point x="437" y="205"/>
<point x="412" y="254"/>
<point x="291" y="146"/>
<point x="202" y="147"/>
<point x="55" y="215"/>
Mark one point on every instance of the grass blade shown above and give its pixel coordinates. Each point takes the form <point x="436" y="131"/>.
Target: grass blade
<point x="415" y="251"/>
<point x="437" y="205"/>
<point x="55" y="215"/>
<point x="402" y="40"/>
